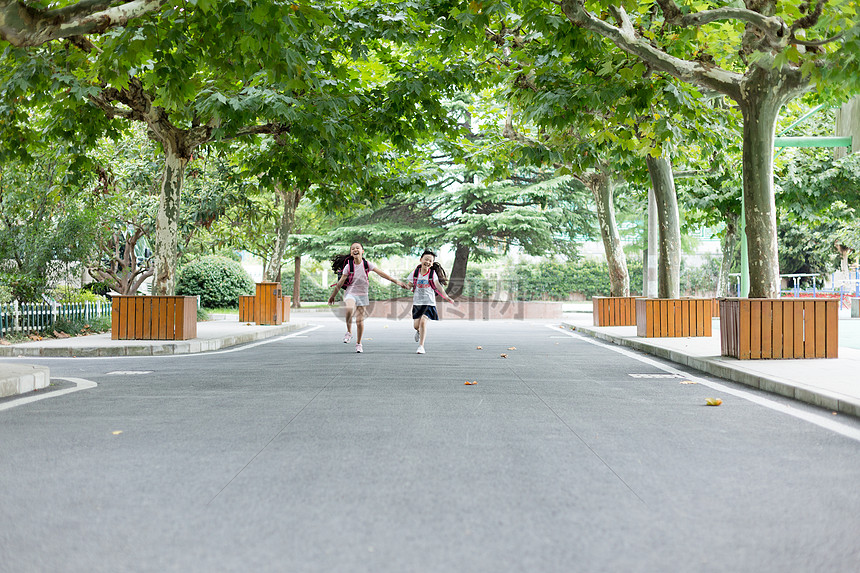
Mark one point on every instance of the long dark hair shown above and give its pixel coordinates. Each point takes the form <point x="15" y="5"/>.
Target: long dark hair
<point x="338" y="262"/>
<point x="437" y="268"/>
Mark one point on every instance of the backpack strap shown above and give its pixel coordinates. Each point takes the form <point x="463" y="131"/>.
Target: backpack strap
<point x="415" y="277"/>
<point x="432" y="283"/>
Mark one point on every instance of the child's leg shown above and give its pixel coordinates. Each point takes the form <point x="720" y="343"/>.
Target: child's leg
<point x="350" y="310"/>
<point x="359" y="322"/>
<point x="422" y="329"/>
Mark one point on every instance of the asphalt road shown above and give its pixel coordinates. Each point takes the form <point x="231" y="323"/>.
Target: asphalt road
<point x="300" y="455"/>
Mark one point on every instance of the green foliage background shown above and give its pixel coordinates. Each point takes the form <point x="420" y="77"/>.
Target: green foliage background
<point x="217" y="280"/>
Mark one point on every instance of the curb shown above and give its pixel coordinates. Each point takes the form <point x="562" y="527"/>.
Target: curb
<point x="726" y="368"/>
<point x="22" y="378"/>
<point x="154" y="348"/>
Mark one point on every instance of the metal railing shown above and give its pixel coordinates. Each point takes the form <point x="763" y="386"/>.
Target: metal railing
<point x="27" y="318"/>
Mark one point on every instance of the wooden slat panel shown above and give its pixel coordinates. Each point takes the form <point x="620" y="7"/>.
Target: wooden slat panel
<point x="131" y="314"/>
<point x="744" y="330"/>
<point x="675" y="316"/>
<point x="688" y="318"/>
<point x="755" y="329"/>
<point x="776" y="328"/>
<point x="767" y="329"/>
<point x="787" y="329"/>
<point x="162" y="318"/>
<point x="809" y="329"/>
<point x="832" y="328"/>
<point x="820" y="327"/>
<point x="797" y="314"/>
<point x="706" y="311"/>
<point x="179" y="318"/>
<point x="114" y="318"/>
<point x="595" y="310"/>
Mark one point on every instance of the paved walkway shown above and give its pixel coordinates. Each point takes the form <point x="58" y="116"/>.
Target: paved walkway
<point x="829" y="383"/>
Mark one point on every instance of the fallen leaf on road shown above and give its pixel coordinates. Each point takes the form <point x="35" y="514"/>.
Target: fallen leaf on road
<point x="688" y="382"/>
<point x="503" y="355"/>
<point x="118" y="432"/>
<point x="512" y="348"/>
<point x="713" y="401"/>
<point x="470" y="383"/>
<point x="480" y="348"/>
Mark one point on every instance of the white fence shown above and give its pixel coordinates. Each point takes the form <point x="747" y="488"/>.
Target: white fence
<point x="41" y="317"/>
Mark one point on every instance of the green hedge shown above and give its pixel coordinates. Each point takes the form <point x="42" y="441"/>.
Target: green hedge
<point x="553" y="280"/>
<point x="218" y="282"/>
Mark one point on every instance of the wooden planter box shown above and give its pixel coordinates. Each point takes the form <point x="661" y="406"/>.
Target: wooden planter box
<point x="248" y="306"/>
<point x="153" y="318"/>
<point x="614" y="310"/>
<point x="754" y="328"/>
<point x="664" y="318"/>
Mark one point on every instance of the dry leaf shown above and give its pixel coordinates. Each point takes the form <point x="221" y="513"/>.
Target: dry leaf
<point x="512" y="348"/>
<point x="713" y="401"/>
<point x="503" y="355"/>
<point x="835" y="414"/>
<point x="470" y="383"/>
<point x="118" y="432"/>
<point x="480" y="348"/>
<point x="688" y="382"/>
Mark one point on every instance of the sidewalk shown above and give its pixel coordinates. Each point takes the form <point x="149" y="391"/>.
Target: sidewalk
<point x="211" y="335"/>
<point x="829" y="383"/>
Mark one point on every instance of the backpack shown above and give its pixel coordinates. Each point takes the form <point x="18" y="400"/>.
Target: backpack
<point x="351" y="275"/>
<point x="429" y="277"/>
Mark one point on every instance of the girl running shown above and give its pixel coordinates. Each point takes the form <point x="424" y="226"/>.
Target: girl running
<point x="355" y="277"/>
<point x="426" y="280"/>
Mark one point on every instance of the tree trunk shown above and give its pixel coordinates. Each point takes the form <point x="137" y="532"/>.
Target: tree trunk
<point x="602" y="188"/>
<point x="843" y="254"/>
<point x="457" y="280"/>
<point x="290" y="201"/>
<point x="166" y="248"/>
<point x="669" y="261"/>
<point x="729" y="246"/>
<point x="651" y="257"/>
<point x="763" y="95"/>
<point x="297" y="283"/>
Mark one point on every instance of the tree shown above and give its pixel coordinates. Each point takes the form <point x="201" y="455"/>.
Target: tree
<point x="777" y="62"/>
<point x="45" y="225"/>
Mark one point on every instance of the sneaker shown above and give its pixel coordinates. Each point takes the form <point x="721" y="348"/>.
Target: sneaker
<point x="417" y="336"/>
<point x="420" y="350"/>
<point x="358" y="348"/>
<point x="347" y="337"/>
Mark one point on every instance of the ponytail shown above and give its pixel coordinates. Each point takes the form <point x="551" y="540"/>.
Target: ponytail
<point x="338" y="261"/>
<point x="440" y="272"/>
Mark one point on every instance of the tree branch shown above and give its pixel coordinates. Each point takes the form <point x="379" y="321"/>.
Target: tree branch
<point x="24" y="25"/>
<point x="624" y="36"/>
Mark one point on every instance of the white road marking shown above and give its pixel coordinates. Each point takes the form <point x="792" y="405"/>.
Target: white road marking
<point x="817" y="419"/>
<point x="80" y="384"/>
<point x="128" y="372"/>
<point x="300" y="334"/>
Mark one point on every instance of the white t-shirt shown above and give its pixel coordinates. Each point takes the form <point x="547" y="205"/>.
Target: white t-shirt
<point x="424" y="293"/>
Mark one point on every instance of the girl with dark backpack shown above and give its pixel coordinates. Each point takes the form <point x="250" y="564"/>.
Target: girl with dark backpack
<point x="354" y="277"/>
<point x="427" y="281"/>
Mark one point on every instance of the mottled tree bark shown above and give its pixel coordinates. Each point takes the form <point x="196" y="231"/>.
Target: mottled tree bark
<point x="669" y="227"/>
<point x="601" y="186"/>
<point x="729" y="247"/>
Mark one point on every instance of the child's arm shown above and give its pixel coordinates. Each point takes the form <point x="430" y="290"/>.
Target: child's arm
<point x="443" y="293"/>
<point x="384" y="275"/>
<point x="337" y="287"/>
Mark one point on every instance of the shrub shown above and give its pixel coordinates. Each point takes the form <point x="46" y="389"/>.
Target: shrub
<point x="553" y="280"/>
<point x="311" y="290"/>
<point x="71" y="294"/>
<point x="218" y="282"/>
